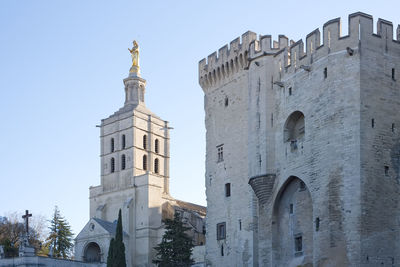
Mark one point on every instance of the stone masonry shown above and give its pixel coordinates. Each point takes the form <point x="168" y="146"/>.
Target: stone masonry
<point x="134" y="165"/>
<point x="303" y="148"/>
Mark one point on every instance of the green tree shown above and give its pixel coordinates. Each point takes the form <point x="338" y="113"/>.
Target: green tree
<point x="116" y="251"/>
<point x="59" y="240"/>
<point x="175" y="249"/>
<point x="110" y="256"/>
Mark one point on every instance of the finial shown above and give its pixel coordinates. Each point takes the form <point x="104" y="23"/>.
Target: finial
<point x="135" y="69"/>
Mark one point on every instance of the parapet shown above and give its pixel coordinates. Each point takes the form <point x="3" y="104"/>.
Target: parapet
<point x="360" y="30"/>
<point x="228" y="60"/>
<point x="240" y="54"/>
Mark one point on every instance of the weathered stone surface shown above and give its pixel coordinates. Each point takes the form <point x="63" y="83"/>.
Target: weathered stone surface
<point x="262" y="186"/>
<point x="345" y="152"/>
<point x="134" y="178"/>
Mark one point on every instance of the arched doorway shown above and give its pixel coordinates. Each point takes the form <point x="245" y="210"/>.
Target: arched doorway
<point x="92" y="252"/>
<point x="292" y="225"/>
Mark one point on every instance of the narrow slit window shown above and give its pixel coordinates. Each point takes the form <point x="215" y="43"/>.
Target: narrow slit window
<point x="145" y="141"/>
<point x="373" y="123"/>
<point x="123" y="162"/>
<point x="156" y="146"/>
<point x="386" y="170"/>
<point x="291" y="208"/>
<point x="290" y="90"/>
<point x="226" y="101"/>
<point x="222" y="250"/>
<point x="144" y="162"/>
<point x="325" y="73"/>
<point x="393" y="127"/>
<point x="156" y="166"/>
<point x="272" y="120"/>
<point x="112" y="144"/>
<point x="228" y="189"/>
<point x="112" y="165"/>
<point x="123" y="141"/>
<point x="317" y="224"/>
<point x="240" y="225"/>
<point x="393" y="74"/>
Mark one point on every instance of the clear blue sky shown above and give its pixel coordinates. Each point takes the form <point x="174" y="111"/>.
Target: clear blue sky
<point x="61" y="70"/>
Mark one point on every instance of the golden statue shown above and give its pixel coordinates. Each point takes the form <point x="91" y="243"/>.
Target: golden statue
<point x="135" y="57"/>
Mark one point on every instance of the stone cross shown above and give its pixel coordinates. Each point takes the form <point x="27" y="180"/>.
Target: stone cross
<point x="26" y="218"/>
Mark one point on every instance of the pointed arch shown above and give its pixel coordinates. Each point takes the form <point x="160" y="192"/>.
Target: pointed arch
<point x="292" y="227"/>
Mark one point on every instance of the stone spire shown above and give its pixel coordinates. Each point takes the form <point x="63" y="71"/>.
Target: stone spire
<point x="135" y="86"/>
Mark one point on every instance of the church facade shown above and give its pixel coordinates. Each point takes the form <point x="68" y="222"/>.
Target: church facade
<point x="303" y="148"/>
<point x="134" y="178"/>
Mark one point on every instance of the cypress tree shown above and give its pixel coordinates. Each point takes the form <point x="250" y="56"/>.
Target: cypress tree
<point x="110" y="256"/>
<point x="116" y="252"/>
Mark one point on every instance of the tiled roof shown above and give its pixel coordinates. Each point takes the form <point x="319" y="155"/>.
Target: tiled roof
<point x="201" y="210"/>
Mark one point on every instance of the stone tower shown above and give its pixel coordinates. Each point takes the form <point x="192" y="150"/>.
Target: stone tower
<point x="134" y="163"/>
<point x="134" y="178"/>
<point x="303" y="148"/>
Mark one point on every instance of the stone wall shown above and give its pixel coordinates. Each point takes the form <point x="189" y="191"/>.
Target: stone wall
<point x="326" y="92"/>
<point x="226" y="125"/>
<point x="48" y="262"/>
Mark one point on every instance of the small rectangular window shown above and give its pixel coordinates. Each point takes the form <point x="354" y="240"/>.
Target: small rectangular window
<point x="393" y="127"/>
<point x="221" y="231"/>
<point x="220" y="153"/>
<point x="240" y="225"/>
<point x="373" y="123"/>
<point x="317" y="224"/>
<point x="386" y="170"/>
<point x="228" y="189"/>
<point x="325" y="73"/>
<point x="298" y="243"/>
<point x="393" y="74"/>
<point x="291" y="208"/>
<point x="290" y="90"/>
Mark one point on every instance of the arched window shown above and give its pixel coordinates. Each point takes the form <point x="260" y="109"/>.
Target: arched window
<point x="112" y="144"/>
<point x="112" y="165"/>
<point x="145" y="141"/>
<point x="156" y="146"/>
<point x="123" y="162"/>
<point x="123" y="141"/>
<point x="294" y="127"/>
<point x="144" y="162"/>
<point x="156" y="165"/>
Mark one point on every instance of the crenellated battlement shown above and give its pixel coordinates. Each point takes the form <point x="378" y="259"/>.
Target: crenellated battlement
<point x="265" y="46"/>
<point x="229" y="61"/>
<point x="360" y="30"/>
